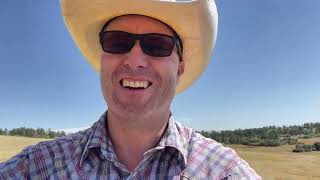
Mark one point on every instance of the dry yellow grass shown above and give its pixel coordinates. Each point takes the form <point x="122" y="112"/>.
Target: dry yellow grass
<point x="279" y="163"/>
<point x="272" y="163"/>
<point x="11" y="145"/>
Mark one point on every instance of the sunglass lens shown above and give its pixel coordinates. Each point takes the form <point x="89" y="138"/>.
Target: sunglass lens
<point x="117" y="42"/>
<point x="157" y="45"/>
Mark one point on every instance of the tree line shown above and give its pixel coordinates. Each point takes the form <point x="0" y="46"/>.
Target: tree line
<point x="265" y="136"/>
<point x="30" y="132"/>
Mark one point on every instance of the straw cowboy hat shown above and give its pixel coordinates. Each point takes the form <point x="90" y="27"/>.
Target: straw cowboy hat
<point x="195" y="21"/>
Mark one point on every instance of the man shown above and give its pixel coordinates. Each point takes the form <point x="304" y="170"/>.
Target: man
<point x="147" y="53"/>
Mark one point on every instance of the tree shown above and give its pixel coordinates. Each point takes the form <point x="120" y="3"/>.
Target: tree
<point x="1" y="132"/>
<point x="272" y="134"/>
<point x="41" y="132"/>
<point x="51" y="134"/>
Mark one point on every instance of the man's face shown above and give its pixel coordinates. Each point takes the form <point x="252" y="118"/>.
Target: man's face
<point x="161" y="74"/>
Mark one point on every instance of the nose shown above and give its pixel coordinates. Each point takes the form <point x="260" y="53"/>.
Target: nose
<point x="136" y="58"/>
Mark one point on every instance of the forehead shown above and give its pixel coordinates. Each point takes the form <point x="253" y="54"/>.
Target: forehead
<point x="139" y="24"/>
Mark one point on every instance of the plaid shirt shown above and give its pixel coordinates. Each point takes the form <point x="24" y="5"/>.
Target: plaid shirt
<point x="181" y="154"/>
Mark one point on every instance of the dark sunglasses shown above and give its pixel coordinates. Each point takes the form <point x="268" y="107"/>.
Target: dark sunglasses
<point x="152" y="44"/>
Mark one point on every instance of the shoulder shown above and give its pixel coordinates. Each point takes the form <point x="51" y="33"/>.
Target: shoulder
<point x="42" y="156"/>
<point x="210" y="153"/>
<point x="208" y="158"/>
<point x="63" y="146"/>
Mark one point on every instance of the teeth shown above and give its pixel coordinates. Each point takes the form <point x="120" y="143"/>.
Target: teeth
<point x="135" y="84"/>
<point x="145" y="85"/>
<point x="131" y="84"/>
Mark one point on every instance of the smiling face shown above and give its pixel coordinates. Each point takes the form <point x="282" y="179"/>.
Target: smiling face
<point x="135" y="83"/>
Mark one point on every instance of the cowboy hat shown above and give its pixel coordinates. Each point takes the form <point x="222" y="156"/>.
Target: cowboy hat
<point x="195" y="21"/>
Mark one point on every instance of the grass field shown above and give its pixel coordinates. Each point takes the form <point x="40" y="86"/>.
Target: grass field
<point x="280" y="163"/>
<point x="272" y="163"/>
<point x="11" y="145"/>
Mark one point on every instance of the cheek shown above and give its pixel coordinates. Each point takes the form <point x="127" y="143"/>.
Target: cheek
<point x="167" y="69"/>
<point x="105" y="71"/>
<point x="104" y="63"/>
<point x="170" y="76"/>
<point x="108" y="64"/>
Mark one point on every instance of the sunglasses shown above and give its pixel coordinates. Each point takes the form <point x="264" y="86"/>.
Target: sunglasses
<point x="152" y="44"/>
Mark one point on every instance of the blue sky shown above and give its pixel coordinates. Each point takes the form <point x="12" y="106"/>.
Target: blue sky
<point x="265" y="69"/>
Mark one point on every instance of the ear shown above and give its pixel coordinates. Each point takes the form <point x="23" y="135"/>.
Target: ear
<point x="180" y="71"/>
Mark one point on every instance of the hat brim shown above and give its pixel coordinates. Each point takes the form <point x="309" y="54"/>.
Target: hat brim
<point x="195" y="22"/>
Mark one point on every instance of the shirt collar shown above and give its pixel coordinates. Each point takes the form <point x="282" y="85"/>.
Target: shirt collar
<point x="98" y="138"/>
<point x="175" y="136"/>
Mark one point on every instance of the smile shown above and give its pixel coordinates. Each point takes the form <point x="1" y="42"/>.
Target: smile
<point x="134" y="84"/>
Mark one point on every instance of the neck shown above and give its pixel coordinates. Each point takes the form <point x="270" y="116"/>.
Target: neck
<point x="132" y="137"/>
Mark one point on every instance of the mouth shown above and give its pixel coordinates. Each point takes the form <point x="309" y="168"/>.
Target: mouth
<point x="135" y="84"/>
